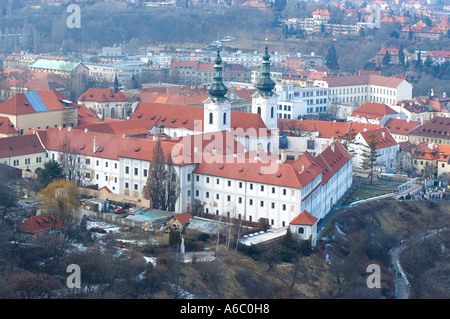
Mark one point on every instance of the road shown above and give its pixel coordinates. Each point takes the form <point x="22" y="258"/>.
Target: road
<point x="402" y="284"/>
<point x="401" y="280"/>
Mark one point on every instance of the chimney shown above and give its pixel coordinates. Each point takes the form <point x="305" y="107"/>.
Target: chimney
<point x="383" y="134"/>
<point x="155" y="137"/>
<point x="69" y="128"/>
<point x="283" y="156"/>
<point x="332" y="147"/>
<point x="86" y="130"/>
<point x="303" y="168"/>
<point x="296" y="154"/>
<point x="187" y="207"/>
<point x="95" y="148"/>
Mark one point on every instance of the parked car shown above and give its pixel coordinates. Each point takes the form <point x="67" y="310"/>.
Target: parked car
<point x="120" y="211"/>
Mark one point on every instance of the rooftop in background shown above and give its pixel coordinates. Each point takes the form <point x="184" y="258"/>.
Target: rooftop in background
<point x="33" y="102"/>
<point x="57" y="65"/>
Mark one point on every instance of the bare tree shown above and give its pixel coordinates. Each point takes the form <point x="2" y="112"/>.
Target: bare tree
<point x="74" y="165"/>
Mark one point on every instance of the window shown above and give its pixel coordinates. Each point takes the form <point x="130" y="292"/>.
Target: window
<point x="106" y="178"/>
<point x="196" y="193"/>
<point x="207" y="180"/>
<point x="273" y="190"/>
<point x="250" y="202"/>
<point x="224" y="118"/>
<point x="97" y="163"/>
<point x="240" y="200"/>
<point x="146" y="172"/>
<point x="88" y="161"/>
<point x="229" y="183"/>
<point x="197" y="178"/>
<point x="217" y="181"/>
<point x="210" y="118"/>
<point x="217" y="196"/>
<point x="106" y="164"/>
<point x="136" y="171"/>
<point x="262" y="188"/>
<point x="301" y="230"/>
<point x="284" y="206"/>
<point x="135" y="187"/>
<point x="284" y="191"/>
<point x="207" y="194"/>
<point x="228" y="198"/>
<point x="261" y="203"/>
<point x="251" y="186"/>
<point x="272" y="205"/>
<point x="127" y="170"/>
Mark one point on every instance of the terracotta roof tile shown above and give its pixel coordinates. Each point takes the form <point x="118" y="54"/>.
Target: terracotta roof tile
<point x="20" y="145"/>
<point x="41" y="223"/>
<point x="304" y="218"/>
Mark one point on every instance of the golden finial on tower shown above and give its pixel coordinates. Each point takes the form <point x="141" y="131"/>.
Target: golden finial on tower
<point x="267" y="36"/>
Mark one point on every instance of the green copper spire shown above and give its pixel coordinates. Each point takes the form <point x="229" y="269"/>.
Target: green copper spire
<point x="265" y="85"/>
<point x="217" y="89"/>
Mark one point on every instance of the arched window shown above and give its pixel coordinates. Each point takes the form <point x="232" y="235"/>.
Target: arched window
<point x="224" y="118"/>
<point x="301" y="230"/>
<point x="112" y="113"/>
<point x="259" y="110"/>
<point x="271" y="112"/>
<point x="210" y="118"/>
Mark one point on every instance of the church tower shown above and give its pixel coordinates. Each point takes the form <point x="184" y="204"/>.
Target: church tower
<point x="217" y="107"/>
<point x="264" y="100"/>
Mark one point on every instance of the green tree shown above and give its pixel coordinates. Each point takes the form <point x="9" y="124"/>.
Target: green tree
<point x="116" y="84"/>
<point x="332" y="59"/>
<point x="386" y="58"/>
<point x="174" y="237"/>
<point x="401" y="56"/>
<point x="173" y="185"/>
<point x="156" y="187"/>
<point x="370" y="155"/>
<point x="52" y="170"/>
<point x="8" y="199"/>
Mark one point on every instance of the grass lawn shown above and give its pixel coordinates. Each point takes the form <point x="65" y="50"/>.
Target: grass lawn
<point x="367" y="190"/>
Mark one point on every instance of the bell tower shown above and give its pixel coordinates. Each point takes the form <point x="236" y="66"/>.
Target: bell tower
<point x="217" y="107"/>
<point x="264" y="101"/>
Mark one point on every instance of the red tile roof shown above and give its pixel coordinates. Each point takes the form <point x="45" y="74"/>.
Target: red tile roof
<point x="326" y="129"/>
<point x="191" y="118"/>
<point x="86" y="115"/>
<point x="6" y="126"/>
<point x="183" y="150"/>
<point x="183" y="218"/>
<point x="102" y="95"/>
<point x="426" y="151"/>
<point x="20" y="145"/>
<point x="19" y="104"/>
<point x="41" y="223"/>
<point x="304" y="218"/>
<point x="400" y="127"/>
<point x="438" y="127"/>
<point x="332" y="159"/>
<point x="363" y="80"/>
<point x="295" y="174"/>
<point x="381" y="135"/>
<point x="127" y="127"/>
<point x="373" y="110"/>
